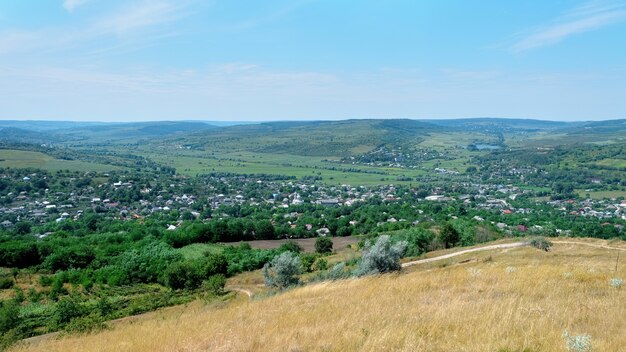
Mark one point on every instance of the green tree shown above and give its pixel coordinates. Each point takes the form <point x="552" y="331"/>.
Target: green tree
<point x="381" y="257"/>
<point x="449" y="235"/>
<point x="323" y="245"/>
<point x="282" y="271"/>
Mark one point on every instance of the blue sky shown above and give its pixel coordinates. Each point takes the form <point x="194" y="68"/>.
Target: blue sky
<point x="110" y="60"/>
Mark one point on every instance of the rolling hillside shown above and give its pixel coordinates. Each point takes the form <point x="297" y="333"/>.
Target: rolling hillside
<point x="515" y="299"/>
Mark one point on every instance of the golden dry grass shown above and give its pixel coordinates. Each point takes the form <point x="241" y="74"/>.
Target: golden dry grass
<point x="482" y="305"/>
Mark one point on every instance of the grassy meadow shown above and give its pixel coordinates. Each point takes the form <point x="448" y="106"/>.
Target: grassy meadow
<point x="519" y="299"/>
<point x="29" y="159"/>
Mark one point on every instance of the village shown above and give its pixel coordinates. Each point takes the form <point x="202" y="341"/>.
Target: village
<point x="40" y="198"/>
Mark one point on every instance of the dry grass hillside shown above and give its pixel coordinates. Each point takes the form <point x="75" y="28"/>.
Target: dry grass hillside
<point x="518" y="299"/>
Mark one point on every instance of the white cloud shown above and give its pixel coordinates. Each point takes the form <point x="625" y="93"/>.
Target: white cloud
<point x="590" y="16"/>
<point x="141" y="15"/>
<point x="144" y="21"/>
<point x="71" y="5"/>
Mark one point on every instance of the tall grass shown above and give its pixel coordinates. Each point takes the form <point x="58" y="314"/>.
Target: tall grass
<point x="426" y="309"/>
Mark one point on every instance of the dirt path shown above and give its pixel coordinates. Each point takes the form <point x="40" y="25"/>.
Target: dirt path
<point x="589" y="245"/>
<point x="250" y="294"/>
<point x="504" y="246"/>
<point x="486" y="248"/>
<point x="242" y="290"/>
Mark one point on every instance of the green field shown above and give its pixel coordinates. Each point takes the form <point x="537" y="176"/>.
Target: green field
<point x="617" y="163"/>
<point x="198" y="250"/>
<point x="28" y="159"/>
<point x="603" y="194"/>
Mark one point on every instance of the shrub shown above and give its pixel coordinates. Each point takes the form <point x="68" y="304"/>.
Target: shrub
<point x="307" y="261"/>
<point x="282" y="271"/>
<point x="291" y="246"/>
<point x="65" y="310"/>
<point x="85" y="325"/>
<point x="616" y="283"/>
<point x="541" y="243"/>
<point x="190" y="274"/>
<point x="320" y="264"/>
<point x="9" y="315"/>
<point x="338" y="272"/>
<point x="215" y="284"/>
<point x="382" y="257"/>
<point x="449" y="235"/>
<point x="577" y="343"/>
<point x="323" y="245"/>
<point x="6" y="283"/>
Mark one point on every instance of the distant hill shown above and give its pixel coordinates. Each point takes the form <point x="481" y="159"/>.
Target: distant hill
<point x="503" y="125"/>
<point x="44" y="126"/>
<point x="19" y="135"/>
<point x="62" y="131"/>
<point x="315" y="138"/>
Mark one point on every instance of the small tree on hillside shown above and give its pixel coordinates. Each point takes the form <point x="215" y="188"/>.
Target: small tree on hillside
<point x="282" y="271"/>
<point x="382" y="257"/>
<point x="449" y="235"/>
<point x="323" y="245"/>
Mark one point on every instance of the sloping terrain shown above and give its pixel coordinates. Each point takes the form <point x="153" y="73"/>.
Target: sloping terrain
<point x="511" y="299"/>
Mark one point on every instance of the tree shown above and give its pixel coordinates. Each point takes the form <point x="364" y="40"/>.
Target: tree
<point x="290" y="246"/>
<point x="264" y="230"/>
<point x="449" y="235"/>
<point x="323" y="245"/>
<point x="282" y="271"/>
<point x="22" y="228"/>
<point x="382" y="257"/>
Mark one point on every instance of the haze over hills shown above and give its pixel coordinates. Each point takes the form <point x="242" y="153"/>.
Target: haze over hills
<point x="339" y="133"/>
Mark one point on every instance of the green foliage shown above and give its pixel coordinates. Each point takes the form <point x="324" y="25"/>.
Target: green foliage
<point x="86" y="324"/>
<point x="9" y="315"/>
<point x="323" y="245"/>
<point x="18" y="294"/>
<point x="22" y="228"/>
<point x="320" y="264"/>
<point x="381" y="257"/>
<point x="142" y="265"/>
<point x="244" y="258"/>
<point x="79" y="256"/>
<point x="214" y="284"/>
<point x="418" y="241"/>
<point x="282" y="271"/>
<point x="307" y="261"/>
<point x="541" y="243"/>
<point x="190" y="274"/>
<point x="19" y="254"/>
<point x="449" y="235"/>
<point x="6" y="283"/>
<point x="290" y="246"/>
<point x="65" y="310"/>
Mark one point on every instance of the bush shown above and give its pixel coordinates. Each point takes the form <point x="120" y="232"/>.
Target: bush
<point x="291" y="246"/>
<point x="65" y="310"/>
<point x="541" y="243"/>
<point x="382" y="257"/>
<point x="85" y="325"/>
<point x="9" y="315"/>
<point x="6" y="283"/>
<point x="307" y="261"/>
<point x="215" y="284"/>
<point x="190" y="274"/>
<point x="577" y="343"/>
<point x="323" y="245"/>
<point x="616" y="283"/>
<point x="449" y="235"/>
<point x="320" y="264"/>
<point x="282" y="271"/>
